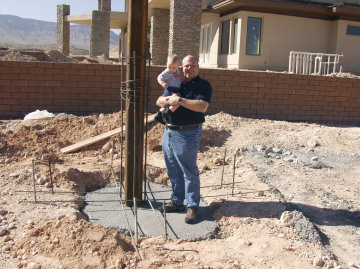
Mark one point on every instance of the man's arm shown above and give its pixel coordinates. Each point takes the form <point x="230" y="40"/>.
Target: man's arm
<point x="163" y="101"/>
<point x="194" y="105"/>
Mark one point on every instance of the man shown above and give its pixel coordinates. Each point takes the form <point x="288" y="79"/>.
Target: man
<point x="181" y="139"/>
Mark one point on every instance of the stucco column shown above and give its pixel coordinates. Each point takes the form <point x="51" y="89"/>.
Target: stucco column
<point x="63" y="29"/>
<point x="185" y="27"/>
<point x="104" y="5"/>
<point x="159" y="35"/>
<point x="123" y="42"/>
<point x="100" y="33"/>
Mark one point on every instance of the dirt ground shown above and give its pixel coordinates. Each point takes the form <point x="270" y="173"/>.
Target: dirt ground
<point x="294" y="202"/>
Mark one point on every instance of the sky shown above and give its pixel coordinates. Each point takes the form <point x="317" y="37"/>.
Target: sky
<point x="45" y="10"/>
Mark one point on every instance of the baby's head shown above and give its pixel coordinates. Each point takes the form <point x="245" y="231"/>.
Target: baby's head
<point x="173" y="63"/>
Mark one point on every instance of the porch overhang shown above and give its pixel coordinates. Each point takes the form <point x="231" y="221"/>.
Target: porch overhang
<point x="164" y="4"/>
<point x="118" y="20"/>
<point x="317" y="11"/>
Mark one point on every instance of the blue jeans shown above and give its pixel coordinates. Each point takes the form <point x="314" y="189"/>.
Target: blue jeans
<point x="180" y="149"/>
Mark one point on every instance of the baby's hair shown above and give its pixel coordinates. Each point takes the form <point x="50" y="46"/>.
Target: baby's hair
<point x="172" y="58"/>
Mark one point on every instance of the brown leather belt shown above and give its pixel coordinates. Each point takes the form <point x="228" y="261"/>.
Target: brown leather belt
<point x="178" y="127"/>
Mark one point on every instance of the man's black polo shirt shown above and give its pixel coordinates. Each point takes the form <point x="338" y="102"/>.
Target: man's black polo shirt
<point x="196" y="89"/>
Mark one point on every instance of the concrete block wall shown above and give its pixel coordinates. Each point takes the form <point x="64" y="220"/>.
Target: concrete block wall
<point x="94" y="88"/>
<point x="285" y="96"/>
<point x="58" y="87"/>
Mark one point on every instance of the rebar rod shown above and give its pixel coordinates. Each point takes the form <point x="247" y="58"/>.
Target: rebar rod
<point x="51" y="179"/>
<point x="134" y="185"/>
<point x="122" y="133"/>
<point x="222" y="174"/>
<point x="136" y="222"/>
<point x="146" y="105"/>
<point x="153" y="209"/>
<point x="165" y="222"/>
<point x="33" y="176"/>
<point x="129" y="227"/>
<point x="233" y="185"/>
<point x="112" y="161"/>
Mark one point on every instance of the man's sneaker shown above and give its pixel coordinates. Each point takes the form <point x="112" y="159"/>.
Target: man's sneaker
<point x="159" y="117"/>
<point x="192" y="214"/>
<point x="171" y="207"/>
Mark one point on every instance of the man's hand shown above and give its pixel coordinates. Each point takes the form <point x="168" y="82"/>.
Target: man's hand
<point x="173" y="99"/>
<point x="194" y="105"/>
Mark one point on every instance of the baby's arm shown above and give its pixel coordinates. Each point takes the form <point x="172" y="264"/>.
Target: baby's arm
<point x="162" y="82"/>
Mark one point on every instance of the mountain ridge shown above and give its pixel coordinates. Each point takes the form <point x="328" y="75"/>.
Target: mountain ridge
<point x="22" y="31"/>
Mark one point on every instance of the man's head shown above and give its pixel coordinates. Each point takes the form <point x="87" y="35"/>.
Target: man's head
<point x="190" y="67"/>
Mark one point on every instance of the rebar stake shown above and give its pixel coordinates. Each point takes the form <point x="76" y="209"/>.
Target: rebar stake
<point x="51" y="179"/>
<point x="136" y="222"/>
<point x="222" y="174"/>
<point x="165" y="221"/>
<point x="233" y="183"/>
<point x="34" y="183"/>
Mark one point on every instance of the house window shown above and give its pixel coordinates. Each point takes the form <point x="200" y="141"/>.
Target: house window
<point x="353" y="30"/>
<point x="235" y="36"/>
<point x="225" y="37"/>
<point x="205" y="43"/>
<point x="253" y="36"/>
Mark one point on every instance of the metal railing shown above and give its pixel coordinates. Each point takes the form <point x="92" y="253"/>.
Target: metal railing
<point x="306" y="63"/>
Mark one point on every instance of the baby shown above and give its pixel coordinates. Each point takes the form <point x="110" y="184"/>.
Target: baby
<point x="170" y="80"/>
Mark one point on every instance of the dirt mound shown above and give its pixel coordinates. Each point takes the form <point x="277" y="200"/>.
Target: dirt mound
<point x="70" y="242"/>
<point x="56" y="56"/>
<point x="52" y="56"/>
<point x="43" y="138"/>
<point x="15" y="55"/>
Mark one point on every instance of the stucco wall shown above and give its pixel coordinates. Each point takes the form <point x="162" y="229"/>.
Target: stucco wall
<point x="213" y="20"/>
<point x="95" y="88"/>
<point x="349" y="45"/>
<point x="282" y="34"/>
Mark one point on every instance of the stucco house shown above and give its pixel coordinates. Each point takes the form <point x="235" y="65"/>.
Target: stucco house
<point x="259" y="34"/>
<point x="238" y="34"/>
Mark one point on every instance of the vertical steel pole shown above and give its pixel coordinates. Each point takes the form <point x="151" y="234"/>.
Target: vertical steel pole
<point x="135" y="77"/>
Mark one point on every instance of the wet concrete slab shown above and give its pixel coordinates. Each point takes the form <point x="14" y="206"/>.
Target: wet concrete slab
<point x="103" y="207"/>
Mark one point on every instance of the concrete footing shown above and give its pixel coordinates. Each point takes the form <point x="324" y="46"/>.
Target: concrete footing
<point x="104" y="208"/>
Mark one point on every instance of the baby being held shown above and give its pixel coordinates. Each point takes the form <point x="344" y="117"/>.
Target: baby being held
<point x="170" y="80"/>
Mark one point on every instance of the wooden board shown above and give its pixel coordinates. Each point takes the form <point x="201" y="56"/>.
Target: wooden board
<point x="98" y="138"/>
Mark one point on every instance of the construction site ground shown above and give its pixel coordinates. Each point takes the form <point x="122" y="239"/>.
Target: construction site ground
<point x="312" y="170"/>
